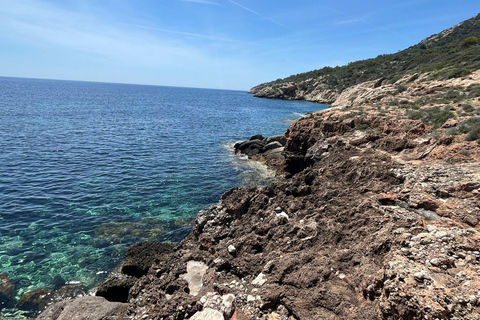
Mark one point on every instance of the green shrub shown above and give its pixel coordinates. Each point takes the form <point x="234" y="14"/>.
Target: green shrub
<point x="469" y="42"/>
<point x="362" y="126"/>
<point x="467" y="108"/>
<point x="434" y="116"/>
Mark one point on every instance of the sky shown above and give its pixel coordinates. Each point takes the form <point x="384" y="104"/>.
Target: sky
<point x="223" y="44"/>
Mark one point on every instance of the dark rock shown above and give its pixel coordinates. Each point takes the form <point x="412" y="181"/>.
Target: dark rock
<point x="141" y="256"/>
<point x="257" y="137"/>
<point x="7" y="291"/>
<point x="116" y="288"/>
<point x="280" y="138"/>
<point x="273" y="145"/>
<point x="85" y="308"/>
<point x="36" y="300"/>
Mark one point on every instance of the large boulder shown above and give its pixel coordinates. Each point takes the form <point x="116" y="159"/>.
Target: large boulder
<point x="141" y="256"/>
<point x="7" y="291"/>
<point x="85" y="308"/>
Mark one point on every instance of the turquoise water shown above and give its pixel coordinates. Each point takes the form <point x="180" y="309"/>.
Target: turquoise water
<point x="89" y="168"/>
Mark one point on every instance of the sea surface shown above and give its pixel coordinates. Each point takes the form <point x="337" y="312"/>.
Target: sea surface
<point x="87" y="169"/>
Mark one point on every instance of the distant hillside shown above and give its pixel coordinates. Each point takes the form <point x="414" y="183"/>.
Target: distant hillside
<point x="452" y="53"/>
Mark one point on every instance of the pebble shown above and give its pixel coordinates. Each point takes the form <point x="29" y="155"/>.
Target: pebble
<point x="231" y="249"/>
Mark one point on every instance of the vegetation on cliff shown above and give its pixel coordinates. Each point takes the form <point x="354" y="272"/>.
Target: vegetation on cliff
<point x="452" y="53"/>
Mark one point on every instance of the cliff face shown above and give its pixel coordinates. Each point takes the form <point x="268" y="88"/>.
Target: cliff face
<point x="310" y="90"/>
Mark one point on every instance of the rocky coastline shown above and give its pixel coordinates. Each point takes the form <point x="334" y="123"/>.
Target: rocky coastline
<point x="377" y="217"/>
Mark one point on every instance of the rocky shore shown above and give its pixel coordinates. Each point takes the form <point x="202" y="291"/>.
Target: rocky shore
<point x="377" y="217"/>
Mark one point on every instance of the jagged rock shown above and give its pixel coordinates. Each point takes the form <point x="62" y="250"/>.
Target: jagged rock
<point x="141" y="256"/>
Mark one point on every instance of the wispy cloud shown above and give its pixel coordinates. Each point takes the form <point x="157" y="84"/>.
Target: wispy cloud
<point x="347" y="21"/>
<point x="202" y="2"/>
<point x="190" y="34"/>
<point x="258" y="14"/>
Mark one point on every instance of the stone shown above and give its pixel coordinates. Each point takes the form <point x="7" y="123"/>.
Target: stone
<point x="208" y="314"/>
<point x="422" y="276"/>
<point x="280" y="138"/>
<point x="273" y="145"/>
<point x="231" y="249"/>
<point x="259" y="280"/>
<point x="85" y="308"/>
<point x="194" y="276"/>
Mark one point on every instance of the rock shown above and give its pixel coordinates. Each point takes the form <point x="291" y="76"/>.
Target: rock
<point x="257" y="137"/>
<point x="280" y="138"/>
<point x="259" y="280"/>
<point x="223" y="303"/>
<point x="208" y="314"/>
<point x="115" y="289"/>
<point x="141" y="256"/>
<point x="194" y="276"/>
<point x="231" y="249"/>
<point x="36" y="300"/>
<point x="422" y="276"/>
<point x="69" y="291"/>
<point x="7" y="291"/>
<point x="273" y="145"/>
<point x="85" y="308"/>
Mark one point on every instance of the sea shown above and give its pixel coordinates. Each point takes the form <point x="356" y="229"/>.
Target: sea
<point x="87" y="169"/>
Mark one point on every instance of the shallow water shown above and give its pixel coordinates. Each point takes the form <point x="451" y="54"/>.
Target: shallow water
<point x="90" y="168"/>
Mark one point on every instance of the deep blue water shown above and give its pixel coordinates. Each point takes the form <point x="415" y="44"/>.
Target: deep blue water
<point x="87" y="169"/>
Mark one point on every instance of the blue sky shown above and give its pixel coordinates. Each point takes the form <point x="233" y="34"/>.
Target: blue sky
<point x="229" y="44"/>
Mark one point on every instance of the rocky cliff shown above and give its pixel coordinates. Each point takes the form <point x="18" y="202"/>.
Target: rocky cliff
<point x="452" y="53"/>
<point x="377" y="217"/>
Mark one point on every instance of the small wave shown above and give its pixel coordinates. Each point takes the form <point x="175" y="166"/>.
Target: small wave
<point x="252" y="173"/>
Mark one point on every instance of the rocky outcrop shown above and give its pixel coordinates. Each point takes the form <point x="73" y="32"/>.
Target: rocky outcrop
<point x="266" y="150"/>
<point x="310" y="90"/>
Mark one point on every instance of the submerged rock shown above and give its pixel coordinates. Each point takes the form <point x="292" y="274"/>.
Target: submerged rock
<point x="36" y="300"/>
<point x="7" y="291"/>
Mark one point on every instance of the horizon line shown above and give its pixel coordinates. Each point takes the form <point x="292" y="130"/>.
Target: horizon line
<point x="126" y="83"/>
